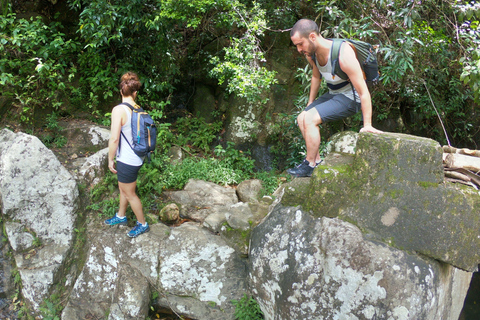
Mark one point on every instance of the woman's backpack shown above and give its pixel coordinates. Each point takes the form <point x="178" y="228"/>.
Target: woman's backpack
<point x="144" y="132"/>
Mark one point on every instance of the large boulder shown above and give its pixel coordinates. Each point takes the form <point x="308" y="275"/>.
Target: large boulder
<point x="395" y="190"/>
<point x="39" y="203"/>
<point x="200" y="273"/>
<point x="195" y="273"/>
<point x="119" y="272"/>
<point x="306" y="267"/>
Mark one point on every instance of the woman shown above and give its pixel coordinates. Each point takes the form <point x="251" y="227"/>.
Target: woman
<point x="128" y="163"/>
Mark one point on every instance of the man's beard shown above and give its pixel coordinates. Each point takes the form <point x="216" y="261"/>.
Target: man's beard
<point x="311" y="49"/>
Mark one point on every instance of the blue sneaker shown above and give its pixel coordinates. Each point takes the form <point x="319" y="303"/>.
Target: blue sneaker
<point x="138" y="230"/>
<point x="116" y="220"/>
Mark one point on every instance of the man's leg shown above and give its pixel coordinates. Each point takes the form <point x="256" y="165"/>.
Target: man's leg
<point x="311" y="134"/>
<point x="308" y="122"/>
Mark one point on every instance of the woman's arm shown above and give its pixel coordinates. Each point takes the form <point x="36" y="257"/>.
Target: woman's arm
<point x="118" y="115"/>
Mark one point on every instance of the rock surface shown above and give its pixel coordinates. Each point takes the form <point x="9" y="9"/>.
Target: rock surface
<point x="39" y="198"/>
<point x="303" y="267"/>
<point x="395" y="190"/>
<point x="195" y="273"/>
<point x="339" y="245"/>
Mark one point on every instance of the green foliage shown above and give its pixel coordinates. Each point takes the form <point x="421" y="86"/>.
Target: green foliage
<point x="247" y="308"/>
<point x="101" y="196"/>
<point x="17" y="279"/>
<point x="234" y="158"/>
<point x="53" y="137"/>
<point x="270" y="181"/>
<point x="242" y="64"/>
<point x="36" y="64"/>
<point x="50" y="310"/>
<point x="176" y="176"/>
<point x="196" y="132"/>
<point x="469" y="33"/>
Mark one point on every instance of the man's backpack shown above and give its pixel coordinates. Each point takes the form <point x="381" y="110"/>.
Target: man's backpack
<point x="144" y="132"/>
<point x="366" y="55"/>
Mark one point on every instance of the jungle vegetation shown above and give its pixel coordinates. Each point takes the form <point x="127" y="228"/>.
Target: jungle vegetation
<point x="65" y="57"/>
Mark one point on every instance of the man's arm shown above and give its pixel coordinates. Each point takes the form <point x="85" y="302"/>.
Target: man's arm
<point x="350" y="65"/>
<point x="314" y="82"/>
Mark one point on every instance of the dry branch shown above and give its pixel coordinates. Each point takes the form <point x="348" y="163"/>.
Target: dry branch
<point x="465" y="151"/>
<point x="461" y="181"/>
<point x="455" y="160"/>
<point x="457" y="175"/>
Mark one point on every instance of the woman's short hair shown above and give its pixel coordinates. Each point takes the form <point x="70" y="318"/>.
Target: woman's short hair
<point x="304" y="27"/>
<point x="129" y="83"/>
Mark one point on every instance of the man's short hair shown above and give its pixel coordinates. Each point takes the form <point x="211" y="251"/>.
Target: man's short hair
<point x="304" y="27"/>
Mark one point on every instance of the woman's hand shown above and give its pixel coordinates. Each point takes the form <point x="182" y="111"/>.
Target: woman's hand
<point x="111" y="166"/>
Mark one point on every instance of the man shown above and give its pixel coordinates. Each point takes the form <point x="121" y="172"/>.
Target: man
<point x="344" y="99"/>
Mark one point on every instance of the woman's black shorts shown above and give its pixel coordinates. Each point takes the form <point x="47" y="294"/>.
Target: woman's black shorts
<point x="127" y="173"/>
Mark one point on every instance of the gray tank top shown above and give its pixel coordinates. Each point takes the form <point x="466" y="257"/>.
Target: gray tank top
<point x="326" y="72"/>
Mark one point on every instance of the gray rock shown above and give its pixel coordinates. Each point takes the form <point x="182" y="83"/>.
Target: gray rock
<point x="395" y="189"/>
<point x="41" y="195"/>
<point x="215" y="220"/>
<point x="304" y="267"/>
<point x="199" y="198"/>
<point x="132" y="296"/>
<point x="196" y="273"/>
<point x="93" y="168"/>
<point x="117" y="275"/>
<point x="239" y="216"/>
<point x="201" y="274"/>
<point x="249" y="190"/>
<point x="19" y="239"/>
<point x="343" y="142"/>
<point x="175" y="154"/>
<point x="86" y="136"/>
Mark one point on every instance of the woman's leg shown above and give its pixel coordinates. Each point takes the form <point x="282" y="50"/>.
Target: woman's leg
<point x="122" y="210"/>
<point x="127" y="190"/>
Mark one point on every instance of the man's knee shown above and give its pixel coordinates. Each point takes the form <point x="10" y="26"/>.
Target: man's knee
<point x="312" y="118"/>
<point x="301" y="118"/>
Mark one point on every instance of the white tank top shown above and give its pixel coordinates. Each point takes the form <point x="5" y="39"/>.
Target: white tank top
<point x="125" y="154"/>
<point x="326" y="72"/>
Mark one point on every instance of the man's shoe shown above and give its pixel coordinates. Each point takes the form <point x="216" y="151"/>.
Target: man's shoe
<point x="302" y="170"/>
<point x="116" y="220"/>
<point x="138" y="230"/>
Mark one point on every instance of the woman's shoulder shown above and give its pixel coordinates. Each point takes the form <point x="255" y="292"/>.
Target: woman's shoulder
<point x="119" y="111"/>
<point x="119" y="108"/>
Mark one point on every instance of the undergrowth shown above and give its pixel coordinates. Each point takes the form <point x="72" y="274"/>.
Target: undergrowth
<point x="247" y="308"/>
<point x="225" y="166"/>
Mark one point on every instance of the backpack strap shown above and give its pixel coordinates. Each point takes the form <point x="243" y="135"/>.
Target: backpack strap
<point x="335" y="59"/>
<point x="120" y="141"/>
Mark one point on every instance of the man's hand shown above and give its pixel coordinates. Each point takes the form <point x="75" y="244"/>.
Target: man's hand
<point x="369" y="128"/>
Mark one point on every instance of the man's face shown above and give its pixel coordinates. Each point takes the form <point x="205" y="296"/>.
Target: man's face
<point x="304" y="45"/>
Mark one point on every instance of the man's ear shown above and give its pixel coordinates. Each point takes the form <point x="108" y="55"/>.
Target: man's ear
<point x="312" y="36"/>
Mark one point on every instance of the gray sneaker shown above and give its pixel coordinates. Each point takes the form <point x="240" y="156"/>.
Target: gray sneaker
<point x="302" y="170"/>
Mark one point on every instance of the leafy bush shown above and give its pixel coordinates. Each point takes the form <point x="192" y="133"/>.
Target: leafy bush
<point x="196" y="132"/>
<point x="36" y="64"/>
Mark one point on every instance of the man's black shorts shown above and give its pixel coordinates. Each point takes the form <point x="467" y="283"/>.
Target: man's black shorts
<point x="333" y="107"/>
